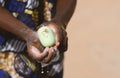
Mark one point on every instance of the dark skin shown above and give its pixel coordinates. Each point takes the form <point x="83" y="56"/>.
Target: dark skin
<point x="62" y="17"/>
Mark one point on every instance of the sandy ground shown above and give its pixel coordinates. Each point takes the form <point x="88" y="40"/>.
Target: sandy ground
<point x="94" y="40"/>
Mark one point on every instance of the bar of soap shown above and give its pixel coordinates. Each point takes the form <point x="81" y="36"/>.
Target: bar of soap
<point x="46" y="36"/>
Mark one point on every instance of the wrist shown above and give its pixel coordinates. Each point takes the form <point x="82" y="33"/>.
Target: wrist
<point x="27" y="33"/>
<point x="59" y="22"/>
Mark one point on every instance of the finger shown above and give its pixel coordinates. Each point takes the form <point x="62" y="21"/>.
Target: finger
<point x="36" y="54"/>
<point x="50" y="55"/>
<point x="38" y="45"/>
<point x="57" y="44"/>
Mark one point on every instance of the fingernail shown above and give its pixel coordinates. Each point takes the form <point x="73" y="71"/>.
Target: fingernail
<point x="46" y="49"/>
<point x="57" y="44"/>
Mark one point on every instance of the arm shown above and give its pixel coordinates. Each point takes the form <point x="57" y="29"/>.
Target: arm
<point x="11" y="24"/>
<point x="64" y="11"/>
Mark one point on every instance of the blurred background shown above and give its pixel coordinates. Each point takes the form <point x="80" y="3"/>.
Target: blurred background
<point x="94" y="40"/>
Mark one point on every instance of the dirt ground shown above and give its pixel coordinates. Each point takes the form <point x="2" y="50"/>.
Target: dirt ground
<point x="94" y="40"/>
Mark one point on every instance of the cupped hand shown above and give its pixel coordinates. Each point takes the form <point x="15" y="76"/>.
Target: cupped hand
<point x="52" y="49"/>
<point x="37" y="51"/>
<point x="34" y="47"/>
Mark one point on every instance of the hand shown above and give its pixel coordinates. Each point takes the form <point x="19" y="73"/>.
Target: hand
<point x="61" y="35"/>
<point x="61" y="40"/>
<point x="37" y="51"/>
<point x="52" y="49"/>
<point x="34" y="47"/>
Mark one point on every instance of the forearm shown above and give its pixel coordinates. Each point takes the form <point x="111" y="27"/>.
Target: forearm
<point x="11" y="24"/>
<point x="64" y="11"/>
